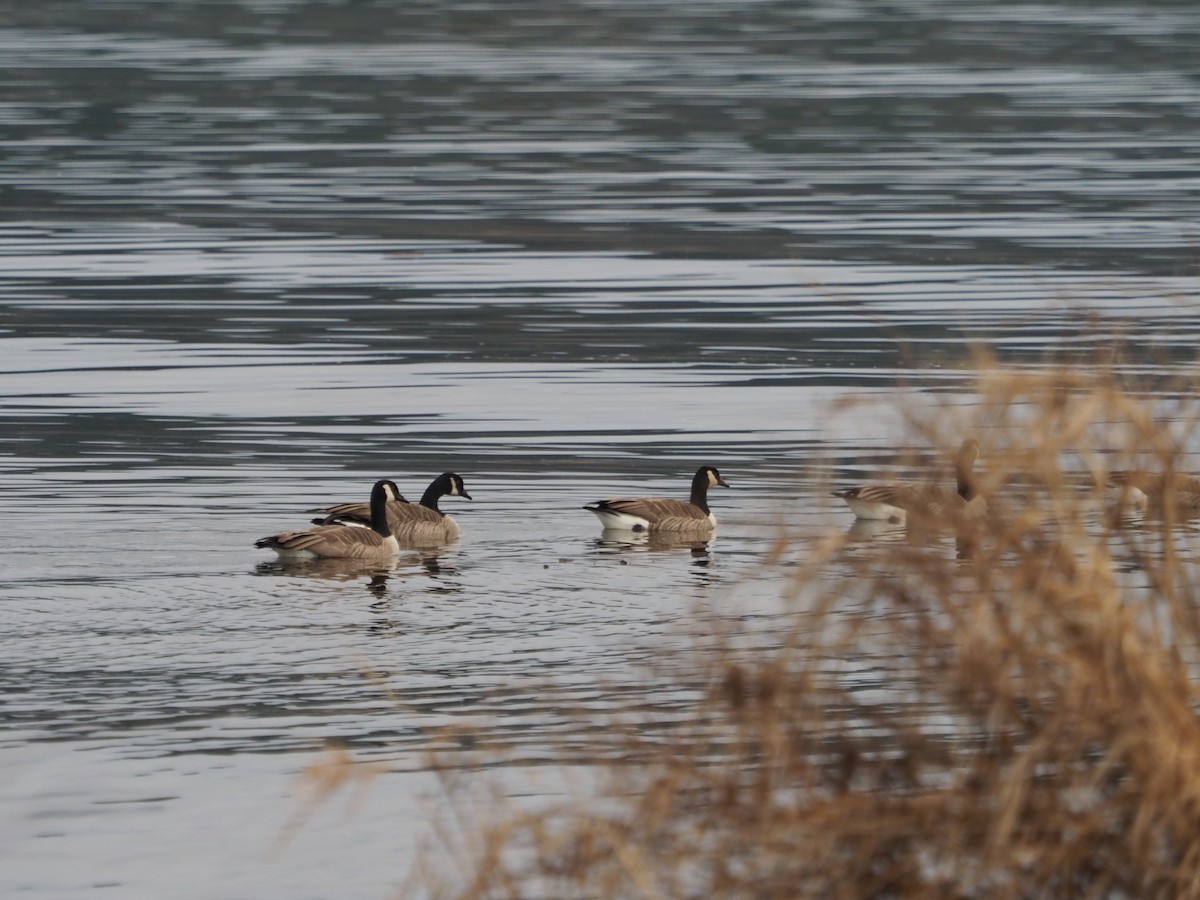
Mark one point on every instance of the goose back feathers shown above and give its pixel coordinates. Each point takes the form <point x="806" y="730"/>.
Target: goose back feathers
<point x="413" y="524"/>
<point x="893" y="501"/>
<point x="1142" y="492"/>
<point x="376" y="541"/>
<point x="663" y="514"/>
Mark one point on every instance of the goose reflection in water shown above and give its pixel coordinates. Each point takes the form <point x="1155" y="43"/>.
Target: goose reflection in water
<point x="653" y="542"/>
<point x="874" y="531"/>
<point x="423" y="563"/>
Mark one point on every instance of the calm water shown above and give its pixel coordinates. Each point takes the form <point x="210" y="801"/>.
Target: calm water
<point x="254" y="255"/>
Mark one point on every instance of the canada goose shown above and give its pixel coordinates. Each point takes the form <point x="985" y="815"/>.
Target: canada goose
<point x="414" y="524"/>
<point x="660" y="514"/>
<point x="893" y="501"/>
<point x="340" y="542"/>
<point x="1142" y="492"/>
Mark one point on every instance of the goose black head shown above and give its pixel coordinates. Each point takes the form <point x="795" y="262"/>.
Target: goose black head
<point x="384" y="489"/>
<point x="705" y="477"/>
<point x="455" y="487"/>
<point x="445" y="485"/>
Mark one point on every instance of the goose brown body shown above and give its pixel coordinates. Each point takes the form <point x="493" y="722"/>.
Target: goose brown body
<point x="1155" y="492"/>
<point x="895" y="500"/>
<point x="663" y="515"/>
<point x="413" y="524"/>
<point x="339" y="542"/>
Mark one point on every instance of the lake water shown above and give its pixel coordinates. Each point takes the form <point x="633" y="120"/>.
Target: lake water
<point x="255" y="255"/>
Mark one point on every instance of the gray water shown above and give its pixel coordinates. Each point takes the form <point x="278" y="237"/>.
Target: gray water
<point x="255" y="255"/>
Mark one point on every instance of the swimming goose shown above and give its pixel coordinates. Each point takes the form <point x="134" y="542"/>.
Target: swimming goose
<point x="893" y="501"/>
<point x="661" y="514"/>
<point x="339" y="542"/>
<point x="1141" y="492"/>
<point x="414" y="524"/>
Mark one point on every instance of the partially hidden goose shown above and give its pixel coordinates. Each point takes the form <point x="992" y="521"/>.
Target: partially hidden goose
<point x="1147" y="492"/>
<point x="893" y="501"/>
<point x="339" y="542"/>
<point x="413" y="524"/>
<point x="663" y="515"/>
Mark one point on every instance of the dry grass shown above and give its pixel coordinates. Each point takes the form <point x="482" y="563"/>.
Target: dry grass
<point x="1009" y="715"/>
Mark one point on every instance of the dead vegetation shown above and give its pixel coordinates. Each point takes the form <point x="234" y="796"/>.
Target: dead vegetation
<point x="1007" y="713"/>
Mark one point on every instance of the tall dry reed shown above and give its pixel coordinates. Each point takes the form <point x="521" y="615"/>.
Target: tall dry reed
<point x="1005" y="712"/>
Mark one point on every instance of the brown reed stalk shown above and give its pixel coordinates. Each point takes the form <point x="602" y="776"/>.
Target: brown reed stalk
<point x="1007" y="710"/>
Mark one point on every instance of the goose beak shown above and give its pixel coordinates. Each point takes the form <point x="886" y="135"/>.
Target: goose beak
<point x="722" y="482"/>
<point x="465" y="494"/>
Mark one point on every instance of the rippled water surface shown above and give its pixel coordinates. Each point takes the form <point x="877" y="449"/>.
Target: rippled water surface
<point x="255" y="255"/>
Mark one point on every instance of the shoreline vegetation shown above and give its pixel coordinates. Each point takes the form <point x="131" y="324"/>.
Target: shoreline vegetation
<point x="1007" y="711"/>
